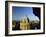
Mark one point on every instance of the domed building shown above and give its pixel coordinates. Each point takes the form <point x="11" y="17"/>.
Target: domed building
<point x="24" y="23"/>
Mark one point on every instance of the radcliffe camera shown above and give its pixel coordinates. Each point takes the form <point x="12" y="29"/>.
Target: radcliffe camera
<point x="25" y="18"/>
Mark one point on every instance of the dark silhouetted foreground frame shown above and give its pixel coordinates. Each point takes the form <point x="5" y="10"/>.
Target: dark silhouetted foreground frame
<point x="6" y="18"/>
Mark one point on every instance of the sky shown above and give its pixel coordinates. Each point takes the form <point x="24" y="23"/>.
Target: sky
<point x="18" y="12"/>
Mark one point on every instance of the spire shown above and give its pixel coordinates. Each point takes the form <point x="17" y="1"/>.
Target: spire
<point x="27" y="18"/>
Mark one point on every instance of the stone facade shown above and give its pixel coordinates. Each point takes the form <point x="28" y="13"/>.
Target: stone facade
<point x="24" y="24"/>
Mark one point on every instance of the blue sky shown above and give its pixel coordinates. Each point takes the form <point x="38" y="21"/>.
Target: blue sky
<point x="18" y="12"/>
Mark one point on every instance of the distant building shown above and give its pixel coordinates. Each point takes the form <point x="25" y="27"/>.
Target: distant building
<point x="24" y="24"/>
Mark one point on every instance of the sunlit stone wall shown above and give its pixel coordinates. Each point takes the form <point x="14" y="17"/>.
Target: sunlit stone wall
<point x="24" y="25"/>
